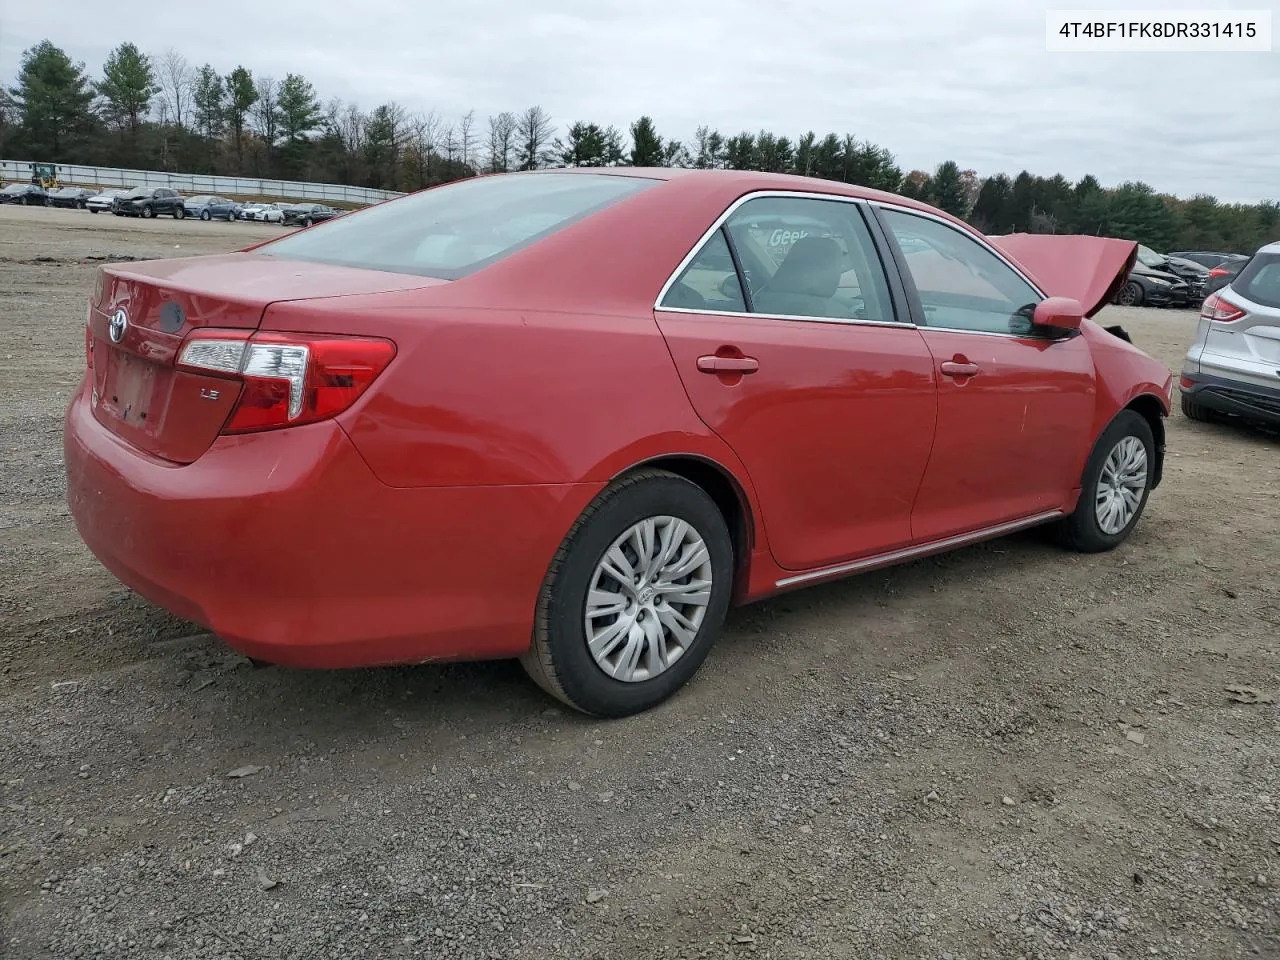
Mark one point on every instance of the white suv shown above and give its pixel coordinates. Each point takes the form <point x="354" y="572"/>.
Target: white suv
<point x="1233" y="368"/>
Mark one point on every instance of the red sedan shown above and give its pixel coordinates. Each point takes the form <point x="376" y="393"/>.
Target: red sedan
<point x="573" y="416"/>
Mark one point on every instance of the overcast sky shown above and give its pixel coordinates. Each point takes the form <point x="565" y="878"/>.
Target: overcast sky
<point x="932" y="80"/>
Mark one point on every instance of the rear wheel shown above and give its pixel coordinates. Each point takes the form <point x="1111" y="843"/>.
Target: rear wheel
<point x="179" y="212"/>
<point x="1130" y="295"/>
<point x="1197" y="411"/>
<point x="635" y="596"/>
<point x="1115" y="486"/>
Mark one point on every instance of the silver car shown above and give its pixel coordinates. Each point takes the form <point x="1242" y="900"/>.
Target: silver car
<point x="1234" y="365"/>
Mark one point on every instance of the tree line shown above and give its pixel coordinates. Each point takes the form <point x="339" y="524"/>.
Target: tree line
<point x="165" y="113"/>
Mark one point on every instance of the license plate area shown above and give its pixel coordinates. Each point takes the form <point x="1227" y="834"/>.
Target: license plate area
<point x="129" y="390"/>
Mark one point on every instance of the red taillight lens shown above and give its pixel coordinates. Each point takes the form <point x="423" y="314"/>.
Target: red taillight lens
<point x="1218" y="308"/>
<point x="289" y="379"/>
<point x="1218" y="272"/>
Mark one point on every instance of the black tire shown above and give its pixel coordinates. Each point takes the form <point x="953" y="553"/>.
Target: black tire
<point x="306" y="223"/>
<point x="1130" y="295"/>
<point x="205" y="214"/>
<point x="1081" y="531"/>
<point x="26" y="201"/>
<point x="147" y="212"/>
<point x="1197" y="411"/>
<point x="559" y="660"/>
<point x="179" y="212"/>
<point x="93" y="210"/>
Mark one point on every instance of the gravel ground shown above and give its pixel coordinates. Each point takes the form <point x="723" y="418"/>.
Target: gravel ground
<point x="1009" y="751"/>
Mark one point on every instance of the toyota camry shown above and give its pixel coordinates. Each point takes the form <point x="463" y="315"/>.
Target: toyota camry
<point x="573" y="416"/>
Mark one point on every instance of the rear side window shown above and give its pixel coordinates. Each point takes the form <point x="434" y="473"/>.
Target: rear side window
<point x="459" y="228"/>
<point x="1260" y="280"/>
<point x="709" y="282"/>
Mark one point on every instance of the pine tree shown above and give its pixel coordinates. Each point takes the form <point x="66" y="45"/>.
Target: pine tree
<point x="54" y="100"/>
<point x="128" y="85"/>
<point x="646" y="145"/>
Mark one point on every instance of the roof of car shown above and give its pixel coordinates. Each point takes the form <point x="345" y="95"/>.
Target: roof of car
<point x="747" y="180"/>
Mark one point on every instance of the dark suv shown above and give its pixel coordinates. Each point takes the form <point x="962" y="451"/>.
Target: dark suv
<point x="149" y="202"/>
<point x="308" y="213"/>
<point x="1222" y="267"/>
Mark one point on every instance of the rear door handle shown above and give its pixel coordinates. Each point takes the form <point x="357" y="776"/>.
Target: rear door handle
<point x="951" y="368"/>
<point x="714" y="364"/>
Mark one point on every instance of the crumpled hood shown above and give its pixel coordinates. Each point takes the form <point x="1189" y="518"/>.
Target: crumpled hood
<point x="1089" y="269"/>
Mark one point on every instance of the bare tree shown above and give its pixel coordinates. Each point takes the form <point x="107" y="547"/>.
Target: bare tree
<point x="501" y="143"/>
<point x="467" y="138"/>
<point x="266" y="111"/>
<point x="176" y="77"/>
<point x="424" y="137"/>
<point x="450" y="142"/>
<point x="534" y="131"/>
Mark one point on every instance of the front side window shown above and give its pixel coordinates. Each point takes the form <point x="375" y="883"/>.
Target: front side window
<point x="809" y="258"/>
<point x="459" y="228"/>
<point x="962" y="285"/>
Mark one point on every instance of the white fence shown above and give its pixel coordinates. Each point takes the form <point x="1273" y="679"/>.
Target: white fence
<point x="194" y="183"/>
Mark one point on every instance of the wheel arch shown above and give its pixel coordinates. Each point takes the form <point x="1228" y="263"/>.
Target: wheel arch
<point x="1149" y="407"/>
<point x="725" y="490"/>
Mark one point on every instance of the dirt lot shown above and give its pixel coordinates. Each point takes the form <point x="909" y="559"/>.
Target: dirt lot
<point x="1006" y="752"/>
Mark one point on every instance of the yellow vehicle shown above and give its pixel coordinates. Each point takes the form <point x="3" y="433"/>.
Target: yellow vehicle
<point x="45" y="175"/>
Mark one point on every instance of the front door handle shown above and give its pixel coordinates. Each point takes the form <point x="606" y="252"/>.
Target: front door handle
<point x="714" y="364"/>
<point x="953" y="368"/>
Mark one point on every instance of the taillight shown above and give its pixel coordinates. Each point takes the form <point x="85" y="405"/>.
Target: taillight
<point x="1218" y="272"/>
<point x="1218" y="308"/>
<point x="288" y="379"/>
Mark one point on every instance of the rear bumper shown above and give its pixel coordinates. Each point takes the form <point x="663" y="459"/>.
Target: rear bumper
<point x="1248" y="400"/>
<point x="287" y="547"/>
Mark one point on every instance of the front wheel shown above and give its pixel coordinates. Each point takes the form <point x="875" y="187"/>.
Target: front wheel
<point x="148" y="213"/>
<point x="206" y="215"/>
<point x="1115" y="486"/>
<point x="634" y="598"/>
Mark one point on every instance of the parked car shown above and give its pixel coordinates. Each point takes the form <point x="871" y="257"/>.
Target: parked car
<point x="208" y="207"/>
<point x="104" y="200"/>
<point x="308" y="213"/>
<point x="249" y="211"/>
<point x="1153" y="283"/>
<point x="27" y="194"/>
<point x="1192" y="274"/>
<point x="524" y="415"/>
<point x="270" y="212"/>
<point x="1233" y="367"/>
<point x="75" y="197"/>
<point x="1222" y="266"/>
<point x="149" y="202"/>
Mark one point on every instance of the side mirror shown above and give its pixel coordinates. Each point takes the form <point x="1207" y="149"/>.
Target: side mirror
<point x="1059" y="315"/>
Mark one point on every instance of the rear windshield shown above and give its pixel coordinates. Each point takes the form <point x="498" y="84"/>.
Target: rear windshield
<point x="459" y="228"/>
<point x="1260" y="280"/>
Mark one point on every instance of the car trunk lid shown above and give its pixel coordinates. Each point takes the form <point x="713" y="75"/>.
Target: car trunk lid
<point x="141" y="313"/>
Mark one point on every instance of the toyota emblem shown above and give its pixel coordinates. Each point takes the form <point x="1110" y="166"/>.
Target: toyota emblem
<point x="119" y="323"/>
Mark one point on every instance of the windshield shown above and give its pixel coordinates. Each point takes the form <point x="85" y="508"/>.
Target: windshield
<point x="1149" y="258"/>
<point x="456" y="229"/>
<point x="137" y="193"/>
<point x="199" y="199"/>
<point x="14" y="188"/>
